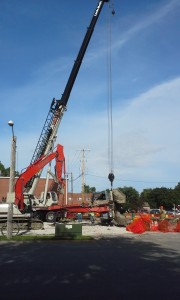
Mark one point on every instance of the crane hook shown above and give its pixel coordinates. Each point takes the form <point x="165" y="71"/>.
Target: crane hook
<point x="113" y="12"/>
<point x="111" y="178"/>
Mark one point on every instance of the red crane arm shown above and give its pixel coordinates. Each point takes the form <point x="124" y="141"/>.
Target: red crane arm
<point x="34" y="168"/>
<point x="60" y="164"/>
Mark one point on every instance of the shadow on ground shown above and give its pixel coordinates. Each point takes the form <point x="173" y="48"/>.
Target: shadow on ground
<point x="127" y="267"/>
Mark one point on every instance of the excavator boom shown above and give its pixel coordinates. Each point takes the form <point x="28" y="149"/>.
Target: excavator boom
<point x="34" y="168"/>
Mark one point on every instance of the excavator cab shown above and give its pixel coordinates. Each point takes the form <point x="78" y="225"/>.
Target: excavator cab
<point x="49" y="199"/>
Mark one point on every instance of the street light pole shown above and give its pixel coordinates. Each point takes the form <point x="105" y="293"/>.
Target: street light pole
<point x="13" y="160"/>
<point x="10" y="196"/>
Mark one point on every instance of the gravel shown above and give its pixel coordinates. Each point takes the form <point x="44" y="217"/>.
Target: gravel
<point x="96" y="231"/>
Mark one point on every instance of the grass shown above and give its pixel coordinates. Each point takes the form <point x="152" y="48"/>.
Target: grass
<point x="45" y="238"/>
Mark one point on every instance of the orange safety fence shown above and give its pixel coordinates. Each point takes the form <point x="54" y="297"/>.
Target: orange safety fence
<point x="140" y="224"/>
<point x="144" y="223"/>
<point x="169" y="225"/>
<point x="166" y="226"/>
<point x="178" y="227"/>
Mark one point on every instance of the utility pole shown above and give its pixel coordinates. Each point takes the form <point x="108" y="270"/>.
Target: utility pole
<point x="71" y="179"/>
<point x="66" y="185"/>
<point x="83" y="172"/>
<point x="71" y="183"/>
<point x="66" y="191"/>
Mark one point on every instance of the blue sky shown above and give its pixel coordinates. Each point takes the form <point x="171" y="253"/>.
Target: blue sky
<point x="39" y="43"/>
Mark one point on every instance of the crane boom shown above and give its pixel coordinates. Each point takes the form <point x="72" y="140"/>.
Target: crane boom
<point x="58" y="107"/>
<point x="81" y="53"/>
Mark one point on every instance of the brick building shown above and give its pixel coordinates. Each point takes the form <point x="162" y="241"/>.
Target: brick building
<point x="72" y="199"/>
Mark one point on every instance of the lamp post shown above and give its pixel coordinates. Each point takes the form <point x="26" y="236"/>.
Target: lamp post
<point x="10" y="195"/>
<point x="13" y="160"/>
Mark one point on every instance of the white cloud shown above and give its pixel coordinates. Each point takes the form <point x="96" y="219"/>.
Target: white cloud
<point x="146" y="136"/>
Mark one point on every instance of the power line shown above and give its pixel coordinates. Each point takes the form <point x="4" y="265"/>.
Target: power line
<point x="109" y="102"/>
<point x="131" y="180"/>
<point x="74" y="158"/>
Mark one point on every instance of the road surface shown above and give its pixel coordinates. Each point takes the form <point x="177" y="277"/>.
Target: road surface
<point x="145" y="266"/>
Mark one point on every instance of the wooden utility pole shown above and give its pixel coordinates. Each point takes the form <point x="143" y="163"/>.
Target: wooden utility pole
<point x="12" y="165"/>
<point x="67" y="179"/>
<point x="71" y="183"/>
<point x="83" y="172"/>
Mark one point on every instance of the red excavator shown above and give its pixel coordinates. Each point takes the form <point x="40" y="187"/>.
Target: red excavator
<point x="21" y="198"/>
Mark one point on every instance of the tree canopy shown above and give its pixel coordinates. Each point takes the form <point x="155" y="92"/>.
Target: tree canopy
<point x="88" y="189"/>
<point x="162" y="196"/>
<point x="6" y="171"/>
<point x="133" y="200"/>
<point x="156" y="197"/>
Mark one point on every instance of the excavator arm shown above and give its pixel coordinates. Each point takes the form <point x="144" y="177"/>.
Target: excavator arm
<point x="34" y="169"/>
<point x="60" y="164"/>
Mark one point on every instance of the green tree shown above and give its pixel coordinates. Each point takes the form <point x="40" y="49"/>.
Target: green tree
<point x="6" y="171"/>
<point x="161" y="196"/>
<point x="146" y="196"/>
<point x="132" y="198"/>
<point x="88" y="189"/>
<point x="175" y="197"/>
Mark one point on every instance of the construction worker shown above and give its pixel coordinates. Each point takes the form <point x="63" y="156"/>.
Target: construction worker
<point x="162" y="213"/>
<point x="79" y="217"/>
<point x="92" y="217"/>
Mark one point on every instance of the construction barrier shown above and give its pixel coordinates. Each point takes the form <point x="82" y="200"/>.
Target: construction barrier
<point x="140" y="224"/>
<point x="144" y="223"/>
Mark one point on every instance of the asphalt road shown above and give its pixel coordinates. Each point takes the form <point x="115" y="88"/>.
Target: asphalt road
<point x="139" y="267"/>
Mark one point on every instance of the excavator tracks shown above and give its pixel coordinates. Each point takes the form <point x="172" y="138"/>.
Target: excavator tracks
<point x="21" y="225"/>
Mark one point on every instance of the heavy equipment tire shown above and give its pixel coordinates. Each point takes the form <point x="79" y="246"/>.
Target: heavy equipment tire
<point x="51" y="217"/>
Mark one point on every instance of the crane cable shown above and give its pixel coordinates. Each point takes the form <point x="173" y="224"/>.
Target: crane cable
<point x="109" y="100"/>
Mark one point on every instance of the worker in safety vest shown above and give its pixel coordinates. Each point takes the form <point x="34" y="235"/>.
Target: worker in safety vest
<point x="92" y="217"/>
<point x="162" y="213"/>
